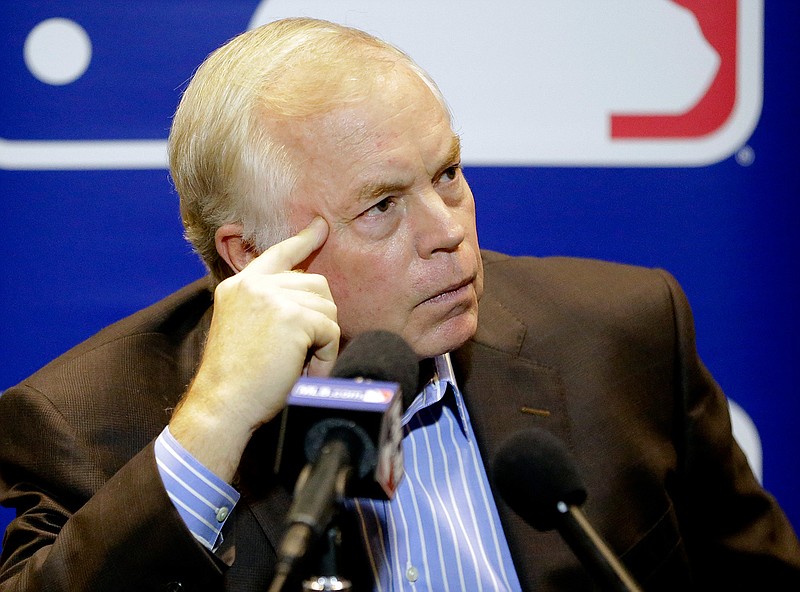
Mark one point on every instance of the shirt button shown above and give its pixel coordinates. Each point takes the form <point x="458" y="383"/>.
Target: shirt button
<point x="222" y="514"/>
<point x="412" y="574"/>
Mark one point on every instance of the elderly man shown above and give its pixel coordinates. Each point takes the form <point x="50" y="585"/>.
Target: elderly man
<point x="141" y="459"/>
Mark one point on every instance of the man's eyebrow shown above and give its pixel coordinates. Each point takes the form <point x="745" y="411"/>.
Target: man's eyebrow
<point x="454" y="155"/>
<point x="372" y="191"/>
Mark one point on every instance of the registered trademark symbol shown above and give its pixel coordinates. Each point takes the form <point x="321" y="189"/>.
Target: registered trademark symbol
<point x="745" y="156"/>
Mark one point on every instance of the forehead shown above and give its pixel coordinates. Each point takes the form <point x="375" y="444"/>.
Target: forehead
<point x="398" y="130"/>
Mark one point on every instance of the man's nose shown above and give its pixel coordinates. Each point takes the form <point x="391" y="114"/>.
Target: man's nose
<point x="439" y="225"/>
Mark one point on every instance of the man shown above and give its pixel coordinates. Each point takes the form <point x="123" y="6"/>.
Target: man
<point x="320" y="180"/>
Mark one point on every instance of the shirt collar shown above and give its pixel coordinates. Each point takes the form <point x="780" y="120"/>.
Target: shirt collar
<point x="443" y="380"/>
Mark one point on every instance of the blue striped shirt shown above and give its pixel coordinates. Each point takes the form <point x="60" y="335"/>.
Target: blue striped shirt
<point x="441" y="531"/>
<point x="202" y="499"/>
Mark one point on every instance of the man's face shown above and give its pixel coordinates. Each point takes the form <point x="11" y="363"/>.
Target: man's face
<point x="402" y="251"/>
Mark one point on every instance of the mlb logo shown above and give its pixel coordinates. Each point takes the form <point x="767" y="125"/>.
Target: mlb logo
<point x="580" y="82"/>
<point x="541" y="82"/>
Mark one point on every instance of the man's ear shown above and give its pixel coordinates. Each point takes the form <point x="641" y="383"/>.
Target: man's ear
<point x="232" y="248"/>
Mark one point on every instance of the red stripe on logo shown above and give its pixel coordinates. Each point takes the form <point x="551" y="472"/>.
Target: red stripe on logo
<point x="717" y="20"/>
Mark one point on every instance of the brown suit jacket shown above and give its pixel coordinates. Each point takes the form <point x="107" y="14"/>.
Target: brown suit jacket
<point x="600" y="354"/>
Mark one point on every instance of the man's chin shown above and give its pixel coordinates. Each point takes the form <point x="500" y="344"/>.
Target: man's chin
<point x="446" y="337"/>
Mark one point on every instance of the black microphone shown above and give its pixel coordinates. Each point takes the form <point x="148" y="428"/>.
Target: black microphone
<point x="538" y="478"/>
<point x="345" y="433"/>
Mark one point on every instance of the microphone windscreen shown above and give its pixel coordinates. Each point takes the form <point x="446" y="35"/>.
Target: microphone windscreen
<point x="380" y="355"/>
<point x="534" y="471"/>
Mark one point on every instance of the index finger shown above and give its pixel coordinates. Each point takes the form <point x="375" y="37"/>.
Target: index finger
<point x="289" y="253"/>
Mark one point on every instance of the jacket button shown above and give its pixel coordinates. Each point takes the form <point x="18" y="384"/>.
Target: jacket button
<point x="173" y="587"/>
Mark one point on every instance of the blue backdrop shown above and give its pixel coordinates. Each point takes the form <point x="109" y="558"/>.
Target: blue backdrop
<point x="86" y="244"/>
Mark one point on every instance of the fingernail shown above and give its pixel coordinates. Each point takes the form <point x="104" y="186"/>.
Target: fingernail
<point x="319" y="224"/>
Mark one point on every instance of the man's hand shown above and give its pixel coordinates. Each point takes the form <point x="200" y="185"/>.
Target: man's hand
<point x="268" y="320"/>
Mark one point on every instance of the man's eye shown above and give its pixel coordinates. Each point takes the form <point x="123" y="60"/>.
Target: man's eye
<point x="451" y="172"/>
<point x="382" y="206"/>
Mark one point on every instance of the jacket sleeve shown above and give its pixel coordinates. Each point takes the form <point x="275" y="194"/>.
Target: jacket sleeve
<point x="78" y="528"/>
<point x="736" y="535"/>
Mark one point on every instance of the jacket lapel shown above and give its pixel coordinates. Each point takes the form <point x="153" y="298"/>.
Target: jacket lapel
<point x="504" y="391"/>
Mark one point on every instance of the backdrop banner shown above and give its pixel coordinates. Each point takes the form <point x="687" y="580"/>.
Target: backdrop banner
<point x="661" y="133"/>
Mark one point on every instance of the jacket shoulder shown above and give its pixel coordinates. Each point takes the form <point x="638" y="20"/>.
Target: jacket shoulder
<point x="150" y="354"/>
<point x="571" y="281"/>
<point x="588" y="300"/>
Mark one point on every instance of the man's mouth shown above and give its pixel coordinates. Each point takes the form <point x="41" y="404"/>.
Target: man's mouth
<point x="453" y="293"/>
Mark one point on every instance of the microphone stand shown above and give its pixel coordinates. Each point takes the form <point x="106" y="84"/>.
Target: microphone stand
<point x="328" y="580"/>
<point x="318" y="495"/>
<point x="606" y="570"/>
